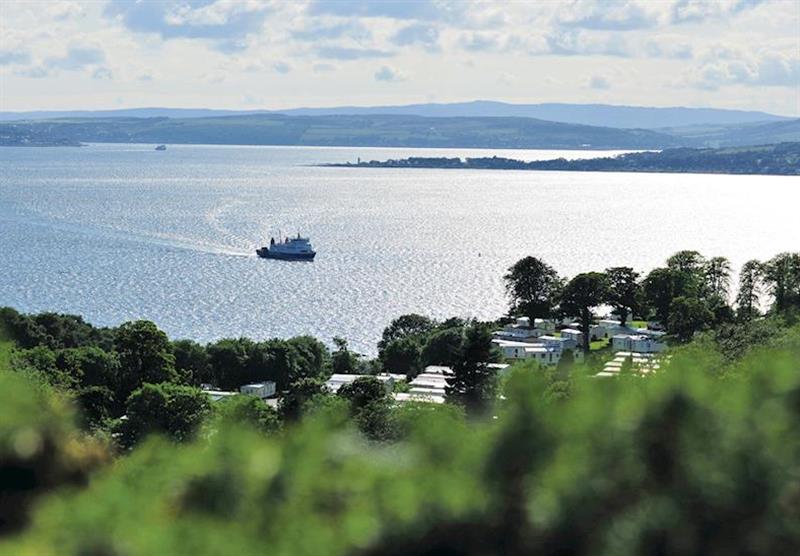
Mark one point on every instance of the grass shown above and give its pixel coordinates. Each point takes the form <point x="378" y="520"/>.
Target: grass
<point x="599" y="344"/>
<point x="6" y="345"/>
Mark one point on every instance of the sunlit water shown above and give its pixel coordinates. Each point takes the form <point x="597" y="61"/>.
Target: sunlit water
<point x="118" y="232"/>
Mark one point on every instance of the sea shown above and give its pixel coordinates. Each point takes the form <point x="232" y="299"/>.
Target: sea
<point x="118" y="232"/>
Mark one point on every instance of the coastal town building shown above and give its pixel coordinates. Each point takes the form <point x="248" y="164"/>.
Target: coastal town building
<point x="336" y="381"/>
<point x="262" y="390"/>
<point x="637" y="343"/>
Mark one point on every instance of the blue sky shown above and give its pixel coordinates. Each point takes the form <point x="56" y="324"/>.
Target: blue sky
<point x="267" y="54"/>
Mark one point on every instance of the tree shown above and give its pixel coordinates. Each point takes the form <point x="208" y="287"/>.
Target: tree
<point x="662" y="285"/>
<point x="717" y="271"/>
<point x="97" y="367"/>
<point x="313" y="358"/>
<point x="782" y="275"/>
<point x="145" y="356"/>
<point x="343" y="360"/>
<point x="65" y="331"/>
<point x="687" y="316"/>
<point x="750" y="280"/>
<point x="43" y="362"/>
<point x="227" y="360"/>
<point x="191" y="362"/>
<point x="443" y="347"/>
<point x="473" y="383"/>
<point x="624" y="291"/>
<point x="581" y="294"/>
<point x="362" y="392"/>
<point x="403" y="356"/>
<point x="274" y="360"/>
<point x="533" y="287"/>
<point x="686" y="261"/>
<point x="249" y="411"/>
<point x="299" y="393"/>
<point x="170" y="409"/>
<point x="96" y="403"/>
<point x="565" y="365"/>
<point x="406" y="326"/>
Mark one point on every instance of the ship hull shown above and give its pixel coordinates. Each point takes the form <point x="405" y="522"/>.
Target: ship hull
<point x="265" y="253"/>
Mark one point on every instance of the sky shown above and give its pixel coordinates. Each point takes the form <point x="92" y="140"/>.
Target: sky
<point x="249" y="54"/>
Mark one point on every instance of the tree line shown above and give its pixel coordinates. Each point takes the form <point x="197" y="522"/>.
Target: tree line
<point x="689" y="294"/>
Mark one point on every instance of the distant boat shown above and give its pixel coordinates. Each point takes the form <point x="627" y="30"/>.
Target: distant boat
<point x="161" y="148"/>
<point x="289" y="249"/>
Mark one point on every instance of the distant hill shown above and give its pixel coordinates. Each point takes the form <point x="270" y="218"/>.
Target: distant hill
<point x="781" y="159"/>
<point x="123" y="113"/>
<point x="365" y="131"/>
<point x="601" y="115"/>
<point x="738" y="134"/>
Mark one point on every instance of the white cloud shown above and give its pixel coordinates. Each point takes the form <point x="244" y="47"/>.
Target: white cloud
<point x="669" y="46"/>
<point x="599" y="82"/>
<point x="385" y="73"/>
<point x="733" y="53"/>
<point x="613" y="15"/>
<point x="765" y="68"/>
<point x="281" y="67"/>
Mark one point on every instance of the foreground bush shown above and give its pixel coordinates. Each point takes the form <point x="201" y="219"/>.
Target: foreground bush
<point x="40" y="447"/>
<point x="682" y="463"/>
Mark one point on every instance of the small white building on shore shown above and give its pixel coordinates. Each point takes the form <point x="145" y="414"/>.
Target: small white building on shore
<point x="336" y="381"/>
<point x="262" y="390"/>
<point x="522" y="330"/>
<point x="547" y="350"/>
<point x="636" y="343"/>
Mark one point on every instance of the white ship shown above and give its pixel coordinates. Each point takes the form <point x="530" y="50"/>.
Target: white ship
<point x="289" y="249"/>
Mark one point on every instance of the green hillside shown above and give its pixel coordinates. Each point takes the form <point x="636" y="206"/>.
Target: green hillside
<point x="367" y="130"/>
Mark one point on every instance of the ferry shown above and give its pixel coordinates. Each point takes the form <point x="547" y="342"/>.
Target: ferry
<point x="289" y="249"/>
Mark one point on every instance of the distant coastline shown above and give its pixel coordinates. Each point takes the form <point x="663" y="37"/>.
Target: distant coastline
<point x="779" y="159"/>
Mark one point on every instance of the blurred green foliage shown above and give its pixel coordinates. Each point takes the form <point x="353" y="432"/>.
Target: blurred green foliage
<point x="702" y="458"/>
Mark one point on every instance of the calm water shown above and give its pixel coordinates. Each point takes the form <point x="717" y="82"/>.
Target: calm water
<point x="118" y="232"/>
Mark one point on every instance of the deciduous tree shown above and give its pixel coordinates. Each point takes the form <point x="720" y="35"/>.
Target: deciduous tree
<point x="533" y="287"/>
<point x="581" y="294"/>
<point x="623" y="291"/>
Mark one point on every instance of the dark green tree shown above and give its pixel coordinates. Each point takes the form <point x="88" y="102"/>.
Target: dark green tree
<point x="344" y="361"/>
<point x="687" y="261"/>
<point x="748" y="297"/>
<point x="406" y="326"/>
<point x="782" y="275"/>
<point x="274" y="360"/>
<point x="227" y="360"/>
<point x="624" y="293"/>
<point x="173" y="410"/>
<point x="717" y="274"/>
<point x="65" y="331"/>
<point x="403" y="356"/>
<point x="662" y="285"/>
<point x="297" y="395"/>
<point x="688" y="316"/>
<point x="443" y="347"/>
<point x="474" y="383"/>
<point x="43" y="362"/>
<point x="581" y="294"/>
<point x="97" y="367"/>
<point x="191" y="362"/>
<point x="97" y="404"/>
<point x="313" y="358"/>
<point x="362" y="392"/>
<point x="533" y="287"/>
<point x="145" y="356"/>
<point x="249" y="411"/>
